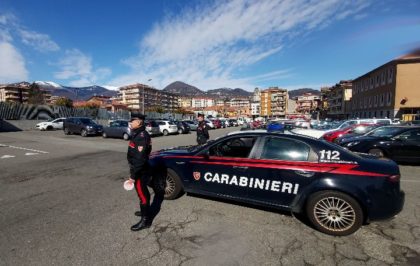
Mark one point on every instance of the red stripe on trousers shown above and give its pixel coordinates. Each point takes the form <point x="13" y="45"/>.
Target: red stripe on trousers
<point x="140" y="192"/>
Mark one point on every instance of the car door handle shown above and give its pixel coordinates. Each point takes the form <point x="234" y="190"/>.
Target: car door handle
<point x="180" y="162"/>
<point x="240" y="167"/>
<point x="304" y="173"/>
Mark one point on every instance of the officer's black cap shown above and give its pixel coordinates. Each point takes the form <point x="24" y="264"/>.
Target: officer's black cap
<point x="137" y="116"/>
<point x="200" y="114"/>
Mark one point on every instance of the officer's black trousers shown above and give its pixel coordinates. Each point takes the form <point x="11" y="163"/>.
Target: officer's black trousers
<point x="141" y="188"/>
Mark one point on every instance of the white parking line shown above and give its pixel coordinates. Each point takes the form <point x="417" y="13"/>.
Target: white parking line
<point x="21" y="148"/>
<point x="7" y="156"/>
<point x="410" y="180"/>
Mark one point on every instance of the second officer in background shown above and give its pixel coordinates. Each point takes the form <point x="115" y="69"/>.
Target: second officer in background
<point x="202" y="130"/>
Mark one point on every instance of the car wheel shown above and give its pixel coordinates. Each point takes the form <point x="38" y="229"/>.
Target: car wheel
<point x="83" y="133"/>
<point x="50" y="128"/>
<point x="173" y="185"/>
<point x="334" y="213"/>
<point x="180" y="131"/>
<point x="104" y="135"/>
<point x="67" y="131"/>
<point x="377" y="152"/>
<point x="126" y="136"/>
<point x="165" y="132"/>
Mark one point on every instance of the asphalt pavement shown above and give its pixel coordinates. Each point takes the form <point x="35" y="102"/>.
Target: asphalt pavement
<point x="62" y="203"/>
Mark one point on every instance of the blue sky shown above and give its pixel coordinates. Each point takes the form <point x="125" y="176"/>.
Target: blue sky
<point x="208" y="44"/>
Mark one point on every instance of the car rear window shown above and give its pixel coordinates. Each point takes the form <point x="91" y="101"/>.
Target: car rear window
<point x="285" y="149"/>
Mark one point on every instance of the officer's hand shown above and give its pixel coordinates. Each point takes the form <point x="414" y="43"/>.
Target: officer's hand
<point x="131" y="180"/>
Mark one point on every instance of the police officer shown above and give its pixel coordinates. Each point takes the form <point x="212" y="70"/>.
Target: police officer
<point x="202" y="130"/>
<point x="139" y="148"/>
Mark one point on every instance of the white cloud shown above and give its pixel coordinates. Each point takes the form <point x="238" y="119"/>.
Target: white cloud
<point x="208" y="46"/>
<point x="12" y="64"/>
<point x="76" y="67"/>
<point x="40" y="42"/>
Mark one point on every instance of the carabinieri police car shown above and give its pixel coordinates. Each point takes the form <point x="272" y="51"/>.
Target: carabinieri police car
<point x="338" y="190"/>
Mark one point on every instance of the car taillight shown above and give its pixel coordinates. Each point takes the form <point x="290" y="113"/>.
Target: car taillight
<point x="394" y="178"/>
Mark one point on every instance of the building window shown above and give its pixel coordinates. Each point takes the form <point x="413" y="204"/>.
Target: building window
<point x="389" y="97"/>
<point x="382" y="113"/>
<point x="370" y="102"/>
<point x="374" y="114"/>
<point x="390" y="74"/>
<point x="375" y="99"/>
<point x="388" y="114"/>
<point x="371" y="83"/>
<point x="377" y="81"/>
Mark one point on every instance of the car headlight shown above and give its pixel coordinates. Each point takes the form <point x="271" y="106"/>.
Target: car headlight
<point x="90" y="127"/>
<point x="353" y="143"/>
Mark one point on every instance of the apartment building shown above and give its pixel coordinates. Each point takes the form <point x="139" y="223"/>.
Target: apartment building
<point x="143" y="97"/>
<point x="390" y="90"/>
<point x="337" y="98"/>
<point x="273" y="102"/>
<point x="19" y="93"/>
<point x="307" y="103"/>
<point x="202" y="102"/>
<point x="185" y="102"/>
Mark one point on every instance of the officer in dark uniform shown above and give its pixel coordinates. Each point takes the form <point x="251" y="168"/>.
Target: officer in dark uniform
<point x="139" y="149"/>
<point x="202" y="130"/>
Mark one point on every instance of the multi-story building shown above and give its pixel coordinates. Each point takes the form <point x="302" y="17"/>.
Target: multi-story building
<point x="307" y="103"/>
<point x="256" y="96"/>
<point x="273" y="102"/>
<point x="202" y="102"/>
<point x="255" y="109"/>
<point x="337" y="99"/>
<point x="19" y="93"/>
<point x="220" y="102"/>
<point x="239" y="103"/>
<point x="185" y="102"/>
<point x="142" y="97"/>
<point x="389" y="91"/>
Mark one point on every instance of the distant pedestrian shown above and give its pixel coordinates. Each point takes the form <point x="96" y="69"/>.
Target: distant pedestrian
<point x="202" y="130"/>
<point x="138" y="152"/>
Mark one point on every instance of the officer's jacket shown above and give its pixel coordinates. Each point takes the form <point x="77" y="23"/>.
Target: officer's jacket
<point x="139" y="148"/>
<point x="202" y="130"/>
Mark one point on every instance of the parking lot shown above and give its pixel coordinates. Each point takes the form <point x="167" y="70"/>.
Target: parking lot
<point x="62" y="202"/>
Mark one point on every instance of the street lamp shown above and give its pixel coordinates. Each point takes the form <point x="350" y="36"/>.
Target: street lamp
<point x="142" y="110"/>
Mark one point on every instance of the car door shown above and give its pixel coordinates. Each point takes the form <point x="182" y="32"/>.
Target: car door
<point x="224" y="167"/>
<point x="406" y="146"/>
<point x="288" y="169"/>
<point x="57" y="124"/>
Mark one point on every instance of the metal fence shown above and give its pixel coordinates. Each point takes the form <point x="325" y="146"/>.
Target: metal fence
<point x="18" y="111"/>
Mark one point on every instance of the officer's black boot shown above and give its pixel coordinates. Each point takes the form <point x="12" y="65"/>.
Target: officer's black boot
<point x="145" y="221"/>
<point x="138" y="213"/>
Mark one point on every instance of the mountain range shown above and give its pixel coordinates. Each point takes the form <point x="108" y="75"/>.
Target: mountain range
<point x="177" y="87"/>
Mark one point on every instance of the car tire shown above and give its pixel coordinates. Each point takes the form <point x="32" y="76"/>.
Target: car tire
<point x="173" y="185"/>
<point x="104" y="135"/>
<point x="126" y="136"/>
<point x="377" y="152"/>
<point x="334" y="213"/>
<point x="180" y="131"/>
<point x="50" y="128"/>
<point x="83" y="133"/>
<point x="67" y="131"/>
<point x="165" y="132"/>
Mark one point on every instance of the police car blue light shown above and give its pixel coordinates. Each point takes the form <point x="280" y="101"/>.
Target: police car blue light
<point x="338" y="190"/>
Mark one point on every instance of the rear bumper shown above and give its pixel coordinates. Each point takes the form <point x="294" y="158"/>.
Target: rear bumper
<point x="388" y="207"/>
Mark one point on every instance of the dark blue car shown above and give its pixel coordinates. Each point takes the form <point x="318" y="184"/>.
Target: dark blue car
<point x="338" y="190"/>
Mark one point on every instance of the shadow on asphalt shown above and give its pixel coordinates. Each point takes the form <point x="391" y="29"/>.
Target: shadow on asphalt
<point x="299" y="216"/>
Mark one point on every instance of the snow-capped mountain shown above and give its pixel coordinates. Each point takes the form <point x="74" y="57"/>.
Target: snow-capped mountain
<point x="48" y="84"/>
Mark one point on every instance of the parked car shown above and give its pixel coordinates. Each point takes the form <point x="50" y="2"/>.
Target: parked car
<point x="117" y="129"/>
<point x="217" y="123"/>
<point x="193" y="124"/>
<point x="209" y="123"/>
<point x="233" y="123"/>
<point x="167" y="127"/>
<point x="399" y="143"/>
<point x="51" y="124"/>
<point x="183" y="127"/>
<point x="358" y="129"/>
<point x="152" y="127"/>
<point x="81" y="125"/>
<point x="287" y="172"/>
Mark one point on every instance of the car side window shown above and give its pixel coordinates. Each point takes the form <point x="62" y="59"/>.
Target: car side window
<point x="239" y="147"/>
<point x="161" y="123"/>
<point x="124" y="124"/>
<point x="412" y="135"/>
<point x="114" y="124"/>
<point x="285" y="149"/>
